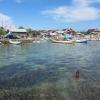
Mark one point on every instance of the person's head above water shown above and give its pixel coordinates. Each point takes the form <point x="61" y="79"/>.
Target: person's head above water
<point x="77" y="74"/>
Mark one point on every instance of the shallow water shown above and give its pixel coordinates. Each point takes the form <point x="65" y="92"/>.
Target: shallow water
<point x="32" y="64"/>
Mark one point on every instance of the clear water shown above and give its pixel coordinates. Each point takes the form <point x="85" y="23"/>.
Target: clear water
<point x="47" y="63"/>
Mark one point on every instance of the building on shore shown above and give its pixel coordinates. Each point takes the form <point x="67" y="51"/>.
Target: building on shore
<point x="94" y="34"/>
<point x="21" y="33"/>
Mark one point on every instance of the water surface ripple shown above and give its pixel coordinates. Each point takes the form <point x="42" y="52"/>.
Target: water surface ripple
<point x="33" y="64"/>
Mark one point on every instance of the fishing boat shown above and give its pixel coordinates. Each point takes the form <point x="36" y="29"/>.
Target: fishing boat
<point x="15" y="42"/>
<point x="81" y="41"/>
<point x="66" y="42"/>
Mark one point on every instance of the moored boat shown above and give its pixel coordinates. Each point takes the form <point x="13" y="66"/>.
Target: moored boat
<point x="66" y="42"/>
<point x="36" y="41"/>
<point x="81" y="41"/>
<point x="14" y="42"/>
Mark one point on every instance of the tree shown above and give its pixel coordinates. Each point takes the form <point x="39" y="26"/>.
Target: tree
<point x="33" y="33"/>
<point x="29" y="30"/>
<point x="21" y="27"/>
<point x="2" y="31"/>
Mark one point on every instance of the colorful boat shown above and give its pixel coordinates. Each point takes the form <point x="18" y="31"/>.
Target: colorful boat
<point x="66" y="42"/>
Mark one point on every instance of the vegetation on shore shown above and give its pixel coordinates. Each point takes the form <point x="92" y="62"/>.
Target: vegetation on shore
<point x="2" y="31"/>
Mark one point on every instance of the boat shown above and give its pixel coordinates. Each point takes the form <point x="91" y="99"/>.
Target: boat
<point x="36" y="41"/>
<point x="66" y="42"/>
<point x="15" y="42"/>
<point x="81" y="41"/>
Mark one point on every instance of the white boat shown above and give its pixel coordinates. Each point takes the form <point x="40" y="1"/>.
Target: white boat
<point x="36" y="41"/>
<point x="14" y="42"/>
<point x="81" y="41"/>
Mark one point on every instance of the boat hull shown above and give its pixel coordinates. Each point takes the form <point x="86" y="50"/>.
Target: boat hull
<point x="14" y="42"/>
<point x="66" y="42"/>
<point x="81" y="41"/>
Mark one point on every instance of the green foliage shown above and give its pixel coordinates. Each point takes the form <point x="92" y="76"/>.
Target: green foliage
<point x="21" y="27"/>
<point x="85" y="33"/>
<point x="2" y="31"/>
<point x="29" y="30"/>
<point x="34" y="33"/>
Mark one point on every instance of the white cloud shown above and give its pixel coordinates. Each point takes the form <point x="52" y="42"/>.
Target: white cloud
<point x="80" y="10"/>
<point x="6" y="21"/>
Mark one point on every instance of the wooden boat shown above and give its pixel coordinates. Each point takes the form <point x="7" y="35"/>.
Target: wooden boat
<point x="81" y="41"/>
<point x="66" y="42"/>
<point x="14" y="42"/>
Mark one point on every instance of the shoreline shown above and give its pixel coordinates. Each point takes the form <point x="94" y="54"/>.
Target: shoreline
<point x="28" y="40"/>
<point x="6" y="41"/>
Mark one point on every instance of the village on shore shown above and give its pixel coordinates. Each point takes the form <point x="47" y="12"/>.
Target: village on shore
<point x="28" y="35"/>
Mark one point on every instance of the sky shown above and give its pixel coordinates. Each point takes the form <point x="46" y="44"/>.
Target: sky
<point x="50" y="14"/>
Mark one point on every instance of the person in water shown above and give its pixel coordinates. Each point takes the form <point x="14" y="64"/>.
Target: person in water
<point x="77" y="75"/>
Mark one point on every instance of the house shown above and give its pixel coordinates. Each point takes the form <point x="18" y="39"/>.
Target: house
<point x="19" y="32"/>
<point x="93" y="31"/>
<point x="94" y="34"/>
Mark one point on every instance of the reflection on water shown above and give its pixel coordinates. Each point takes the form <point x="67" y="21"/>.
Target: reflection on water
<point x="31" y="64"/>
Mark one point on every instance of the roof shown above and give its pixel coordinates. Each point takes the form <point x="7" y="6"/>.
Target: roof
<point x="53" y="33"/>
<point x="60" y="32"/>
<point x="18" y="30"/>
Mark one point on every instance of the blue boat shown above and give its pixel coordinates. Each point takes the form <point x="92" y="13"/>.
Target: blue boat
<point x="81" y="41"/>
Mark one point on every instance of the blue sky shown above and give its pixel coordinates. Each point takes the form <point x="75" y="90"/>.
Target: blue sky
<point x="48" y="14"/>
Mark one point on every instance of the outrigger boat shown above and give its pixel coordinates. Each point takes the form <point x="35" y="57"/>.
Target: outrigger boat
<point x="14" y="42"/>
<point x="66" y="42"/>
